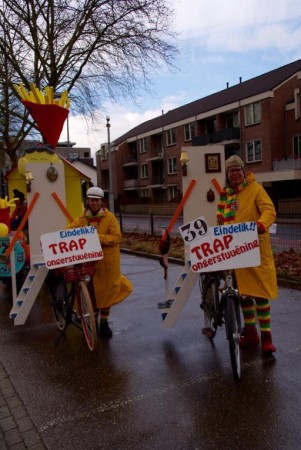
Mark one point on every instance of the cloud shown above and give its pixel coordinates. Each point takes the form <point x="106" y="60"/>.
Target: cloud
<point x="219" y="41"/>
<point x="122" y="119"/>
<point x="200" y="17"/>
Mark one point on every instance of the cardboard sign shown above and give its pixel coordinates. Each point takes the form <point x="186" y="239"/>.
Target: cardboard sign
<point x="194" y="230"/>
<point x="68" y="247"/>
<point x="226" y="247"/>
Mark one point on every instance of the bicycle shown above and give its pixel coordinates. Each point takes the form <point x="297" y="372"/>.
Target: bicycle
<point x="221" y="305"/>
<point x="70" y="286"/>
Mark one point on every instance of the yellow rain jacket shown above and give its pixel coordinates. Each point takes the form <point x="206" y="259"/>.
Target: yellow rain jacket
<point x="254" y="204"/>
<point x="110" y="286"/>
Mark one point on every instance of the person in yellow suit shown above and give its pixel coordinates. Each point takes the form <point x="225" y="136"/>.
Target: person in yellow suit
<point x="244" y="200"/>
<point x="110" y="286"/>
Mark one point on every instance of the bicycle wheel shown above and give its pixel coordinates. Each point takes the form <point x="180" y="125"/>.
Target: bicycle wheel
<point x="210" y="304"/>
<point x="86" y="312"/>
<point x="59" y="304"/>
<point x="233" y="327"/>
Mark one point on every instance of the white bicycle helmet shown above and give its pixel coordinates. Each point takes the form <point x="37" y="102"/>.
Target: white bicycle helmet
<point x="95" y="192"/>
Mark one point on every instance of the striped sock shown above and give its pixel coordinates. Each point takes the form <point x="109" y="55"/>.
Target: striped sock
<point x="263" y="314"/>
<point x="248" y="310"/>
<point x="104" y="314"/>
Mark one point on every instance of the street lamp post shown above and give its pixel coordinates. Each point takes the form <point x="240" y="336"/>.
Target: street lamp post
<point x="111" y="193"/>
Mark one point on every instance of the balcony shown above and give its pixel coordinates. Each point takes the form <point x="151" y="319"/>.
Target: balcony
<point x="157" y="155"/>
<point x="287" y="164"/>
<point x="130" y="184"/>
<point x="129" y="160"/>
<point x="228" y="134"/>
<point x="156" y="182"/>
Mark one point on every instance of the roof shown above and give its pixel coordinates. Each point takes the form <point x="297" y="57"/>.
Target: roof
<point x="86" y="161"/>
<point x="50" y="151"/>
<point x="249" y="88"/>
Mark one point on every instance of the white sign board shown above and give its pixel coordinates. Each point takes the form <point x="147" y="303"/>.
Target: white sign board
<point x="194" y="230"/>
<point x="226" y="247"/>
<point x="68" y="247"/>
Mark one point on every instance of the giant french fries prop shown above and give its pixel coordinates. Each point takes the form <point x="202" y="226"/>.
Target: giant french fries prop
<point x="5" y="203"/>
<point x="5" y="206"/>
<point x="48" y="112"/>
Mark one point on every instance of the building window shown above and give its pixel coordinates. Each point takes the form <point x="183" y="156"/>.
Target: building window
<point x="73" y="155"/>
<point x="144" y="170"/>
<point x="297" y="146"/>
<point x="171" y="136"/>
<point x="144" y="193"/>
<point x="254" y="153"/>
<point x="189" y="131"/>
<point x="104" y="152"/>
<point x="143" y="145"/>
<point x="172" y="166"/>
<point x="159" y="144"/>
<point x="232" y="120"/>
<point x="252" y="113"/>
<point x="297" y="103"/>
<point x="210" y="125"/>
<point x="172" y="193"/>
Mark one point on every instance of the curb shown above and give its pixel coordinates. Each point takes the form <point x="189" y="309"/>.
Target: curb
<point x="283" y="282"/>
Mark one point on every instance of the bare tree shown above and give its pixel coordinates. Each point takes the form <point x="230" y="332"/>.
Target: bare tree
<point x="98" y="49"/>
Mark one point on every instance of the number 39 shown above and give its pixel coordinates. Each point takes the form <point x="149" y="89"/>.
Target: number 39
<point x="193" y="230"/>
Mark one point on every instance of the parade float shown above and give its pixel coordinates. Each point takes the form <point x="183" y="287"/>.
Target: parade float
<point x="53" y="189"/>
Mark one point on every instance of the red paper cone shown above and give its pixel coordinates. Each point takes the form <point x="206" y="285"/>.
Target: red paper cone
<point x="49" y="119"/>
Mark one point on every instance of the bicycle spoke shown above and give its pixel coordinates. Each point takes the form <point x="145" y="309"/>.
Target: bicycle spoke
<point x="233" y="334"/>
<point x="87" y="316"/>
<point x="210" y="304"/>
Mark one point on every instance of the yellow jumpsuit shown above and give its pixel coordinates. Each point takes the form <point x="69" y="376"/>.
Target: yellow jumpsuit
<point x="254" y="204"/>
<point x="110" y="286"/>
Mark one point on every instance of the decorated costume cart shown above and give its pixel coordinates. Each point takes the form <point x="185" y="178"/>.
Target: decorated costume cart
<point x="53" y="188"/>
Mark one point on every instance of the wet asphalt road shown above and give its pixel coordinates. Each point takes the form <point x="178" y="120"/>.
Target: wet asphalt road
<point x="154" y="388"/>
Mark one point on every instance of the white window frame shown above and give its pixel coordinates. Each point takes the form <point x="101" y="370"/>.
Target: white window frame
<point x="172" y="193"/>
<point x="189" y="131"/>
<point x="143" y="145"/>
<point x="252" y="113"/>
<point x="297" y="103"/>
<point x="253" y="147"/>
<point x="104" y="152"/>
<point x="171" y="137"/>
<point x="144" y="171"/>
<point x="74" y="155"/>
<point x="234" y="118"/>
<point x="144" y="193"/>
<point x="172" y="165"/>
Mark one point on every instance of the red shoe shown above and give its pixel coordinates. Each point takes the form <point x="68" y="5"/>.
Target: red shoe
<point x="266" y="343"/>
<point x="250" y="337"/>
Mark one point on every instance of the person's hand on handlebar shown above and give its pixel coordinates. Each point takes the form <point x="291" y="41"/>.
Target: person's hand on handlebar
<point x="260" y="228"/>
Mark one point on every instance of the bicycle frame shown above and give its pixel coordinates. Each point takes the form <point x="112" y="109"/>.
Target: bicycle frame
<point x="223" y="310"/>
<point x="63" y="300"/>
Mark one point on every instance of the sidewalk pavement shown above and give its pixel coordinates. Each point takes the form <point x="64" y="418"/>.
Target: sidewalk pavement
<point x="16" y="428"/>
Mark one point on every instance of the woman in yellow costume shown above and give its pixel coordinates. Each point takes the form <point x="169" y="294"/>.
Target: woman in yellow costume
<point x="245" y="200"/>
<point x="110" y="286"/>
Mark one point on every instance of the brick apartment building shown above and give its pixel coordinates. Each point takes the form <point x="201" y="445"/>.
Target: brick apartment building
<point x="258" y="119"/>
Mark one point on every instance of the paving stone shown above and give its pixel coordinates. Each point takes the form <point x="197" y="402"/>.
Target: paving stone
<point x="17" y="431"/>
<point x="31" y="437"/>
<point x="4" y="412"/>
<point x="19" y="411"/>
<point x="12" y="437"/>
<point x="8" y="423"/>
<point x="24" y="424"/>
<point x="13" y="402"/>
<point x="19" y="446"/>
